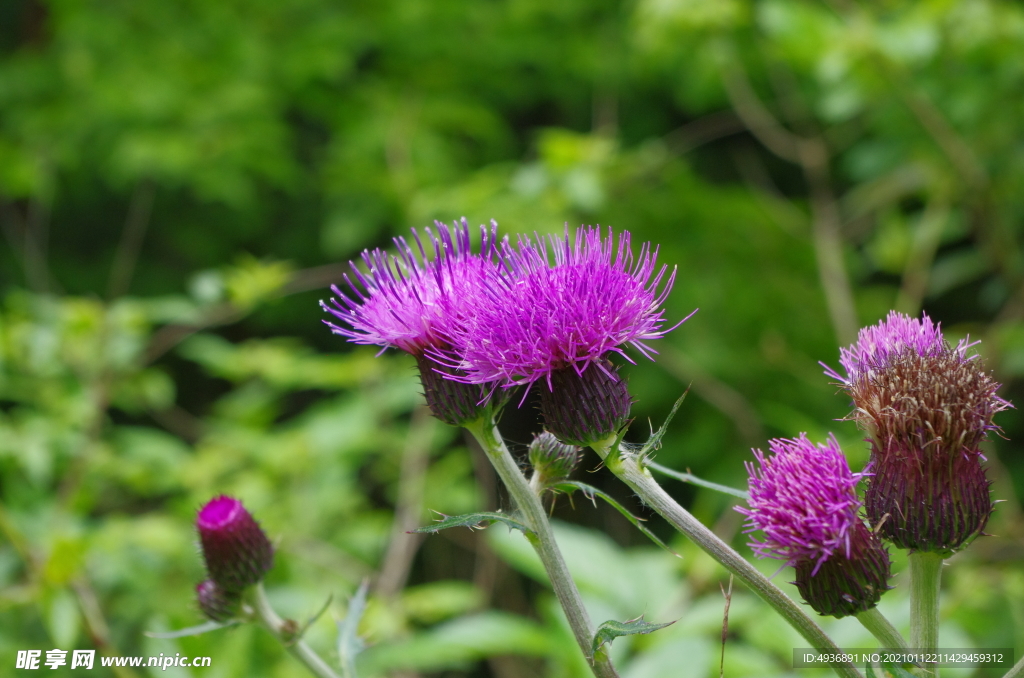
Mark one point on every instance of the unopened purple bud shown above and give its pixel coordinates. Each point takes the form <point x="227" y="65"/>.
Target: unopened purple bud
<point x="582" y="409"/>
<point x="552" y="461"/>
<point x="217" y="604"/>
<point x="236" y="550"/>
<point x="564" y="304"/>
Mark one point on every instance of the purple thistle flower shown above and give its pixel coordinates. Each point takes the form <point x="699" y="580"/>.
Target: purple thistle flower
<point x="803" y="498"/>
<point x="411" y="301"/>
<point x="419" y="304"/>
<point x="927" y="407"/>
<point x="880" y="345"/>
<point x="566" y="308"/>
<point x="235" y="548"/>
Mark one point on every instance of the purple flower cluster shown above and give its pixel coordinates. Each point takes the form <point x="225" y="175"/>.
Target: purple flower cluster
<point x="541" y="310"/>
<point x="926" y="406"/>
<point x="803" y="497"/>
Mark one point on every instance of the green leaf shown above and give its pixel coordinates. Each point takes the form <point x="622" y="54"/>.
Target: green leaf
<point x="437" y="601"/>
<point x="654" y="442"/>
<point x="472" y="520"/>
<point x="694" y="480"/>
<point x="349" y="642"/>
<point x="461" y="641"/>
<point x="611" y="629"/>
<point x="592" y="492"/>
<point x="194" y="630"/>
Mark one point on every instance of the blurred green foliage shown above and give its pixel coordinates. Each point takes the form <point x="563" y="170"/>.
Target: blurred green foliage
<point x="178" y="181"/>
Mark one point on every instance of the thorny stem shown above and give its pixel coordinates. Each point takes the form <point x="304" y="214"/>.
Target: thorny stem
<point x="285" y="632"/>
<point x="626" y="467"/>
<point x="543" y="541"/>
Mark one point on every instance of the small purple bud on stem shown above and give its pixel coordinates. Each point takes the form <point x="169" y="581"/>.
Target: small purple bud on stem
<point x="803" y="497"/>
<point x="581" y="409"/>
<point x="216" y="604"/>
<point x="236" y="550"/>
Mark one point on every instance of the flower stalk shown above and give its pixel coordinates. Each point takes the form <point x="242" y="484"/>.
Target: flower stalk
<point x="881" y="628"/>
<point x="543" y="541"/>
<point x="925" y="578"/>
<point x="285" y="631"/>
<point x="626" y="467"/>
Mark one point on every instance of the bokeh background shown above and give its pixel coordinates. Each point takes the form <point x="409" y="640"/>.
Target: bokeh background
<point x="180" y="182"/>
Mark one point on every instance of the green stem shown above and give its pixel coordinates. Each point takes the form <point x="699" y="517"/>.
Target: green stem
<point x="543" y="541"/>
<point x="694" y="480"/>
<point x="925" y="578"/>
<point x="880" y="627"/>
<point x="1017" y="671"/>
<point x="283" y="632"/>
<point x="640" y="480"/>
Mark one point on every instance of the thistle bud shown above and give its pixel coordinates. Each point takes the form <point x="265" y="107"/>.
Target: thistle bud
<point x="236" y="550"/>
<point x="927" y="407"/>
<point x="552" y="461"/>
<point x="803" y="497"/>
<point x="845" y="584"/>
<point x="451" y="401"/>
<point x="215" y="603"/>
<point x="585" y="408"/>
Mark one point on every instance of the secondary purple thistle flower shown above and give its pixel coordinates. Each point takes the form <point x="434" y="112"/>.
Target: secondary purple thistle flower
<point x="880" y="345"/>
<point x="236" y="550"/>
<point x="412" y="301"/>
<point x="927" y="407"/>
<point x="557" y="316"/>
<point x="803" y="498"/>
<point x="418" y="303"/>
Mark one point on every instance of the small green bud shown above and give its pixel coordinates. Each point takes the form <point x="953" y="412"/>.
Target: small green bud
<point x="552" y="461"/>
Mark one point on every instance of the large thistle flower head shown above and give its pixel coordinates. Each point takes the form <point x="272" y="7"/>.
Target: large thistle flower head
<point x="803" y="498"/>
<point x="926" y="406"/>
<point x="563" y="306"/>
<point x="420" y="303"/>
<point x="566" y="304"/>
<point x="414" y="301"/>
